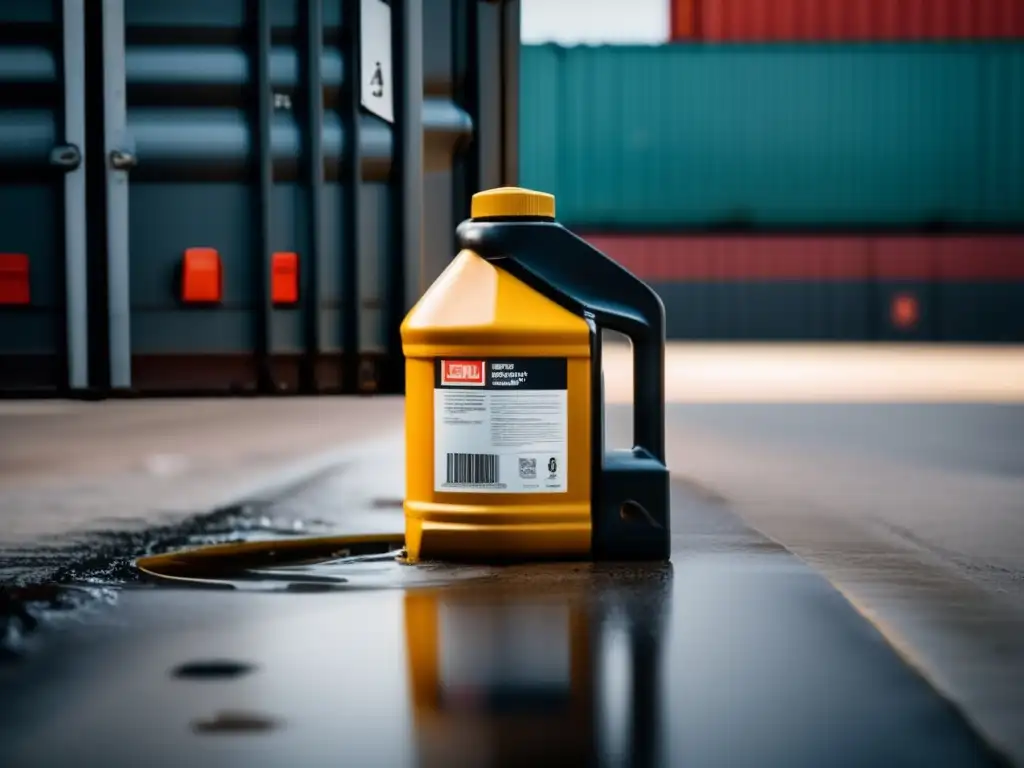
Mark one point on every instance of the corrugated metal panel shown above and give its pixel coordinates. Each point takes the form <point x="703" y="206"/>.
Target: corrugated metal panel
<point x="776" y="136"/>
<point x="41" y="108"/>
<point x="683" y="19"/>
<point x="188" y="92"/>
<point x="542" y="115"/>
<point x="770" y="257"/>
<point x="847" y="20"/>
<point x="1000" y="18"/>
<point x="661" y="258"/>
<point x="1001" y="94"/>
<point x="858" y="288"/>
<point x="190" y="110"/>
<point x="236" y="129"/>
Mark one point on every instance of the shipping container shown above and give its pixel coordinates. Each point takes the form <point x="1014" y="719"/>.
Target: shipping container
<point x="751" y="21"/>
<point x="684" y="20"/>
<point x="777" y="137"/>
<point x="42" y="194"/>
<point x="852" y="288"/>
<point x="237" y="196"/>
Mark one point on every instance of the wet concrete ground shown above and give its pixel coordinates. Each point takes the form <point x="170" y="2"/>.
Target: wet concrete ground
<point x="906" y="522"/>
<point x="85" y="480"/>
<point x="915" y="512"/>
<point x="737" y="654"/>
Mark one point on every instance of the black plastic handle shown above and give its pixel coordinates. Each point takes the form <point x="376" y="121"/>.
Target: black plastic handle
<point x="555" y="262"/>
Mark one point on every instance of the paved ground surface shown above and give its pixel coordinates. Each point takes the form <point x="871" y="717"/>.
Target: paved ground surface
<point x="914" y="511"/>
<point x="898" y="473"/>
<point x="69" y="467"/>
<point x="737" y="654"/>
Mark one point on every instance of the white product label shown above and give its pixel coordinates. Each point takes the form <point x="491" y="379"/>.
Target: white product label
<point x="501" y="425"/>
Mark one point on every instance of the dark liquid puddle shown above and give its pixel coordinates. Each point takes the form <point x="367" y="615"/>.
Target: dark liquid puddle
<point x="59" y="582"/>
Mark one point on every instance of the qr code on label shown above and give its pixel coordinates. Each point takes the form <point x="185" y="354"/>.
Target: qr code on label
<point x="528" y="469"/>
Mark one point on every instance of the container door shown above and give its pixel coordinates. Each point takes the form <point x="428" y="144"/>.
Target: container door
<point x="261" y="209"/>
<point x="470" y="120"/>
<point x="272" y="185"/>
<point x="43" y="341"/>
<point x="449" y="128"/>
<point x="373" y="211"/>
<point x="194" y="138"/>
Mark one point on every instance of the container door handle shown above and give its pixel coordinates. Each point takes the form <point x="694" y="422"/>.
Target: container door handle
<point x="122" y="160"/>
<point x="66" y="157"/>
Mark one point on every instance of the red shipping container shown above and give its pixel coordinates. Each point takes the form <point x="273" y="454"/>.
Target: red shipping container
<point x="846" y="20"/>
<point x="683" y="19"/>
<point x="714" y="258"/>
<point x="999" y="18"/>
<point x="790" y="287"/>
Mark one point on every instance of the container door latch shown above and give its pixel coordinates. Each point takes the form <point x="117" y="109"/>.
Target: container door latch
<point x="123" y="160"/>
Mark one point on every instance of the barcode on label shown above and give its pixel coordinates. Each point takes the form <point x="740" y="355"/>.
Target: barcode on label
<point x="472" y="469"/>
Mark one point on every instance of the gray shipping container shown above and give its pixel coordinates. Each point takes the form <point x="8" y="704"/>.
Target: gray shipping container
<point x="140" y="138"/>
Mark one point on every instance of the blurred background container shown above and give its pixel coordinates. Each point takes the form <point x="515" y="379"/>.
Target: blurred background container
<point x="769" y="136"/>
<point x="802" y="169"/>
<point x="831" y="288"/>
<point x="844" y="20"/>
<point x="244" y="224"/>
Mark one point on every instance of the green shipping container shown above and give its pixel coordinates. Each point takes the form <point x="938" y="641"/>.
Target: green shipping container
<point x="782" y="136"/>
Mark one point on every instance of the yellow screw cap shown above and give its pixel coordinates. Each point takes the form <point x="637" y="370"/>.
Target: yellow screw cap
<point x="512" y="202"/>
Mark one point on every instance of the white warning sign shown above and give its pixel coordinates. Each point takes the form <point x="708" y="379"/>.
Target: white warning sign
<point x="376" y="92"/>
<point x="501" y="425"/>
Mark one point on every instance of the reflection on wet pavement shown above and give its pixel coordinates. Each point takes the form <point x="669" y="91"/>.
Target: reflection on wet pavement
<point x="503" y="678"/>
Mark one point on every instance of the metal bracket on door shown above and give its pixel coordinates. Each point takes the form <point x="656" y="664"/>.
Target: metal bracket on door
<point x="122" y="160"/>
<point x="66" y="157"/>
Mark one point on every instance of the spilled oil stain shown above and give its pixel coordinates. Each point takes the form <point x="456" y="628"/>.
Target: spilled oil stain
<point x="105" y="557"/>
<point x="212" y="669"/>
<point x="45" y="584"/>
<point x="236" y="723"/>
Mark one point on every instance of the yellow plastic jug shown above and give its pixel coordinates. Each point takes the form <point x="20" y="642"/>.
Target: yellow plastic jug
<point x="505" y="456"/>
